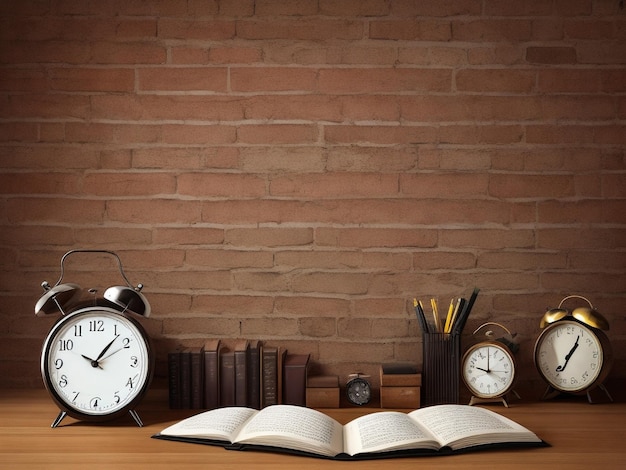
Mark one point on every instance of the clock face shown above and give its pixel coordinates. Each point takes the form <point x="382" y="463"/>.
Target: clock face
<point x="569" y="356"/>
<point x="358" y="391"/>
<point x="96" y="363"/>
<point x="488" y="370"/>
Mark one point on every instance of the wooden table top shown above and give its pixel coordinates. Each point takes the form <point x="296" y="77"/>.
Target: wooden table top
<point x="582" y="436"/>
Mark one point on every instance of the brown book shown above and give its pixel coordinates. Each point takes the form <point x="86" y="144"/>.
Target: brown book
<point x="282" y="354"/>
<point x="185" y="379"/>
<point x="211" y="352"/>
<point x="227" y="378"/>
<point x="254" y="375"/>
<point x="173" y="377"/>
<point x="196" y="379"/>
<point x="269" y="376"/>
<point x="241" y="372"/>
<point x="294" y="379"/>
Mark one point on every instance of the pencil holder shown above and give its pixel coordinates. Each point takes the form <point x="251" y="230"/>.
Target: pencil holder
<point x="440" y="371"/>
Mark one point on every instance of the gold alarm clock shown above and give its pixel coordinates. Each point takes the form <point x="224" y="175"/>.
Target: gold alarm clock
<point x="488" y="367"/>
<point x="572" y="353"/>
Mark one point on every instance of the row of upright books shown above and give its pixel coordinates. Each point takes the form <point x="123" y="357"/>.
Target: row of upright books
<point x="247" y="373"/>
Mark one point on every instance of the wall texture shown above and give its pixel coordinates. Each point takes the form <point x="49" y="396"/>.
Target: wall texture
<point x="298" y="171"/>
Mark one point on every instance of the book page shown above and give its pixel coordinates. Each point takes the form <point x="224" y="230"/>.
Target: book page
<point x="461" y="426"/>
<point x="220" y="424"/>
<point x="294" y="427"/>
<point x="385" y="431"/>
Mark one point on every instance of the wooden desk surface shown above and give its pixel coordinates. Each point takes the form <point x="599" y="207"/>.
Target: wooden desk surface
<point x="582" y="436"/>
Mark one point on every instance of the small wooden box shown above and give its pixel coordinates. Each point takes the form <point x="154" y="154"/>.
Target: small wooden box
<point x="400" y="386"/>
<point x="322" y="391"/>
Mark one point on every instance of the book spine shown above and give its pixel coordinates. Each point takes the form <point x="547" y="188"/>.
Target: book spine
<point x="254" y="378"/>
<point x="211" y="379"/>
<point x="269" y="377"/>
<point x="185" y="379"/>
<point x="227" y="379"/>
<point x="173" y="375"/>
<point x="294" y="380"/>
<point x="241" y="388"/>
<point x="197" y="379"/>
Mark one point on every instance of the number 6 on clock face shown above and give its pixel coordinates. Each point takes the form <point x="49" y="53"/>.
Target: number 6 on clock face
<point x="97" y="363"/>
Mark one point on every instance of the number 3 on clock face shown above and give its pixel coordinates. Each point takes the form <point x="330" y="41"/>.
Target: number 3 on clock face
<point x="96" y="363"/>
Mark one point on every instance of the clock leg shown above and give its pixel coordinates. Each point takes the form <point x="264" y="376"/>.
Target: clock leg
<point x="58" y="419"/>
<point x="136" y="417"/>
<point x="604" y="389"/>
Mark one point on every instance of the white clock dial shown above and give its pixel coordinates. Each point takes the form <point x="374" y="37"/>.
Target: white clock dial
<point x="569" y="356"/>
<point x="96" y="362"/>
<point x="488" y="370"/>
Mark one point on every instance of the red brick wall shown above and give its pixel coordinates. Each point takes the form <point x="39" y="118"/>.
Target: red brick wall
<point x="298" y="171"/>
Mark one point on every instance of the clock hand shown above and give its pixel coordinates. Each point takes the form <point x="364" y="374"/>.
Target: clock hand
<point x="488" y="368"/>
<point x="569" y="355"/>
<point x="111" y="353"/>
<point x="106" y="348"/>
<point x="91" y="361"/>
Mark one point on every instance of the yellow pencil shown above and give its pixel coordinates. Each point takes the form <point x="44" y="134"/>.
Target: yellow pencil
<point x="446" y="328"/>
<point x="433" y="304"/>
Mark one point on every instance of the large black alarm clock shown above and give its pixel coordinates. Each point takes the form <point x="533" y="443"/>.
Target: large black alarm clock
<point x="97" y="361"/>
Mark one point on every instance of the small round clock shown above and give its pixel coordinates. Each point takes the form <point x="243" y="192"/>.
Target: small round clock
<point x="572" y="354"/>
<point x="358" y="389"/>
<point x="488" y="369"/>
<point x="97" y="363"/>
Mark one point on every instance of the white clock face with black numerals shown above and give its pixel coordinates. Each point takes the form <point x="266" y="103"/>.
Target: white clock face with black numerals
<point x="488" y="370"/>
<point x="569" y="356"/>
<point x="96" y="363"/>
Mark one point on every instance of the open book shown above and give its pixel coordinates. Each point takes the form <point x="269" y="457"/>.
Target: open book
<point x="285" y="428"/>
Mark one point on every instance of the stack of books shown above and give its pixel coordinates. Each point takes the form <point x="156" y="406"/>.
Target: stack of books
<point x="247" y="374"/>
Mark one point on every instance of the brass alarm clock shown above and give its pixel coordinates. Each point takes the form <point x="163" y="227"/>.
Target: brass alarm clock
<point x="572" y="353"/>
<point x="97" y="361"/>
<point x="488" y="367"/>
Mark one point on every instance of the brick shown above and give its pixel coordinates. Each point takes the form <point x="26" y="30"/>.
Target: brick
<point x="411" y="30"/>
<point x="254" y="79"/>
<point x="551" y="55"/>
<point x="276" y="7"/>
<point x="359" y="158"/>
<point x="331" y="283"/>
<point x="533" y="186"/>
<point x="331" y="185"/>
<point x="570" y="81"/>
<point x="282" y="159"/>
<point x="317" y="327"/>
<point x="495" y="80"/>
<point x="129" y="184"/>
<point x="202" y="185"/>
<point x="318" y="259"/>
<point x="205" y="30"/>
<point x="55" y="209"/>
<point x="487" y="238"/>
<point x="290" y="107"/>
<point x="384" y="80"/>
<point x="269" y="236"/>
<point x="277" y="134"/>
<point x="300" y="29"/>
<point x="183" y="79"/>
<point x="232" y="304"/>
<point x="39" y="183"/>
<point x="492" y="30"/>
<point x="303" y="306"/>
<point x="197" y="134"/>
<point x="126" y="53"/>
<point x="230" y="259"/>
<point x="185" y="158"/>
<point x="375" y="238"/>
<point x="83" y="79"/>
<point x="153" y="211"/>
